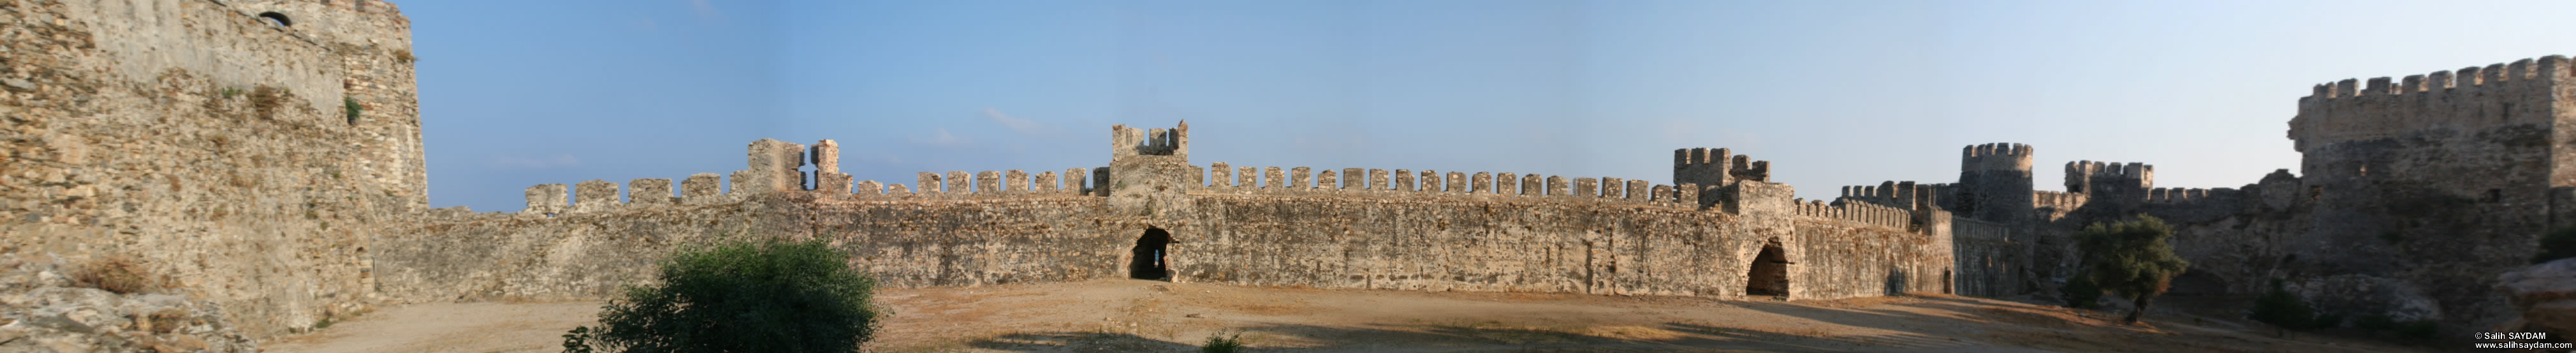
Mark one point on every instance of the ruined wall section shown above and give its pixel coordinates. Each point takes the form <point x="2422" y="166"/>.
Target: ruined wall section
<point x="1545" y="244"/>
<point x="2437" y="172"/>
<point x="208" y="144"/>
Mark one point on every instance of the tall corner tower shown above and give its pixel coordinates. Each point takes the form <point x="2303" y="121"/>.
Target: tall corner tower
<point x="373" y="42"/>
<point x="1994" y="183"/>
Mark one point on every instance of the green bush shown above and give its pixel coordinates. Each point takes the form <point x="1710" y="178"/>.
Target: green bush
<point x="2081" y="293"/>
<point x="2558" y="244"/>
<point x="2131" y="259"/>
<point x="1223" y="343"/>
<point x="766" y="296"/>
<point x="2282" y="309"/>
<point x="349" y="106"/>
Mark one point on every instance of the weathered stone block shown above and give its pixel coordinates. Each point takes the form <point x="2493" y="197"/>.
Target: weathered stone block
<point x="959" y="183"/>
<point x="1249" y="177"/>
<point x="1047" y="183"/>
<point x="1353" y="179"/>
<point x="1324" y="180"/>
<point x="1377" y="180"/>
<point x="650" y="191"/>
<point x="546" y="198"/>
<point x="1637" y="191"/>
<point x="1431" y="181"/>
<point x="595" y="195"/>
<point x="1507" y="184"/>
<point x="988" y="182"/>
<point x="1015" y="181"/>
<point x="1404" y="180"/>
<point x="1612" y="188"/>
<point x="1073" y="180"/>
<point x="1586" y="187"/>
<point x="869" y="190"/>
<point x="1271" y="177"/>
<point x="1532" y="185"/>
<point x="831" y="183"/>
<point x="1556" y="186"/>
<point x="1482" y="183"/>
<point x="827" y="156"/>
<point x="928" y="181"/>
<point x="1297" y="178"/>
<point x="701" y="188"/>
<point x="1456" y="183"/>
<point x="1224" y="176"/>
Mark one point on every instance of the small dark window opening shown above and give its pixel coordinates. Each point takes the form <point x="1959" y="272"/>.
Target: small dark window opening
<point x="2495" y="195"/>
<point x="278" y="19"/>
<point x="1148" y="261"/>
<point x="2316" y="192"/>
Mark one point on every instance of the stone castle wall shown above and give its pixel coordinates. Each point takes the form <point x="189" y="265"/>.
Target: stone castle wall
<point x="211" y="145"/>
<point x="1426" y="230"/>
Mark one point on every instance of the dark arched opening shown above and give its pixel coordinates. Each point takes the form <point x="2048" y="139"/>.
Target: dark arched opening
<point x="1770" y="272"/>
<point x="1946" y="282"/>
<point x="1148" y="261"/>
<point x="275" y="18"/>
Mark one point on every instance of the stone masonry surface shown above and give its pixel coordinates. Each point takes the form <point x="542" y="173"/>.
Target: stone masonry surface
<point x="212" y="145"/>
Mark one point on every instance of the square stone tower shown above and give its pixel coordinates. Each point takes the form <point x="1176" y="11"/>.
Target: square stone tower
<point x="373" y="42"/>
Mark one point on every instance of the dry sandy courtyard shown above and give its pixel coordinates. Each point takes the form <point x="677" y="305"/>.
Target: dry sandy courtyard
<point x="1152" y="316"/>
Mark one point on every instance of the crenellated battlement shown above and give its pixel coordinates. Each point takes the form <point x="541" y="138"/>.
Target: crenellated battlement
<point x="1898" y="194"/>
<point x="1995" y="156"/>
<point x="1433" y="183"/>
<point x="1125" y="141"/>
<point x="1855" y="212"/>
<point x="2468" y="99"/>
<point x="2091" y="177"/>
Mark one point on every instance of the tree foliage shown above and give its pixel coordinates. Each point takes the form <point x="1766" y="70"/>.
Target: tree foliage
<point x="2132" y="259"/>
<point x="2282" y="309"/>
<point x="2080" y="292"/>
<point x="740" y="296"/>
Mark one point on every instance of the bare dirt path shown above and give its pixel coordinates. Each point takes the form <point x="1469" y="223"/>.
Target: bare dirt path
<point x="1151" y="316"/>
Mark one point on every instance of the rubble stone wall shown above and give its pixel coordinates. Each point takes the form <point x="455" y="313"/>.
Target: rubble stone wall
<point x="211" y="145"/>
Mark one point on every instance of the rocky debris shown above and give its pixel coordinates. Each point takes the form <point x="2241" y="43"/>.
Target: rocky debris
<point x="2355" y="296"/>
<point x="2544" y="295"/>
<point x="41" y="311"/>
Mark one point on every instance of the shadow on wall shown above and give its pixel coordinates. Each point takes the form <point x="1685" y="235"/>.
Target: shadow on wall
<point x="1149" y="252"/>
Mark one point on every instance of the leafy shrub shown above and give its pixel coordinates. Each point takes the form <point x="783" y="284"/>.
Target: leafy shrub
<point x="349" y="106"/>
<point x="2558" y="244"/>
<point x="120" y="274"/>
<point x="2081" y="293"/>
<point x="2282" y="309"/>
<point x="739" y="296"/>
<point x="2131" y="259"/>
<point x="1222" y="343"/>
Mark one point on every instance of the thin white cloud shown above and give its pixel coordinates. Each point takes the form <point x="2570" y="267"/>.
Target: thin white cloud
<point x="540" y="162"/>
<point x="704" y="9"/>
<point x="941" y="137"/>
<point x="1022" y="126"/>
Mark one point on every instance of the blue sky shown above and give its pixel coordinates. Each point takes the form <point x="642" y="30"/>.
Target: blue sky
<point x="517" y="93"/>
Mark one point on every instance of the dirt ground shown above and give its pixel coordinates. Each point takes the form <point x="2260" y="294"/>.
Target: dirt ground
<point x="1154" y="316"/>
